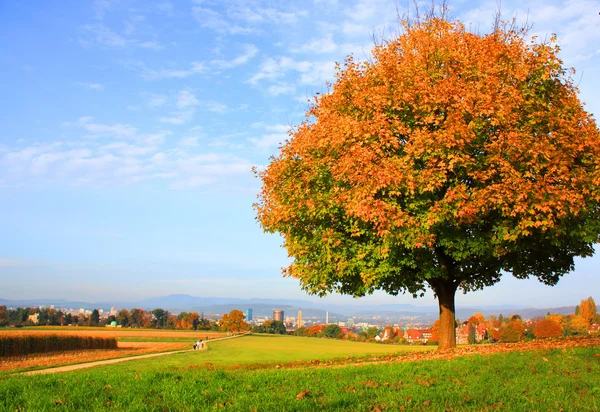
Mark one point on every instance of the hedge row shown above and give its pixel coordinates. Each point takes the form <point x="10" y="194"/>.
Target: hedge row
<point x="27" y="344"/>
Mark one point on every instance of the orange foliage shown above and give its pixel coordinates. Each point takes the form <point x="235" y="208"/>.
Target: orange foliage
<point x="514" y="331"/>
<point x="578" y="325"/>
<point x="477" y="319"/>
<point x="548" y="328"/>
<point x="409" y="167"/>
<point x="560" y="319"/>
<point x="587" y="309"/>
<point x="435" y="331"/>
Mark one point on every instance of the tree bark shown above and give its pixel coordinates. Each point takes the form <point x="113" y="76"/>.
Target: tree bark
<point x="445" y="291"/>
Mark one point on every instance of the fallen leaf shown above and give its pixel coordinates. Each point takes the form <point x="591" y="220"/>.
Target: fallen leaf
<point x="302" y="395"/>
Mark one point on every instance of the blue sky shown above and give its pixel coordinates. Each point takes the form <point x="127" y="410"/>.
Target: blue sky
<point x="130" y="128"/>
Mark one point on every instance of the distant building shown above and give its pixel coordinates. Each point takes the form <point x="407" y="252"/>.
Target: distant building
<point x="278" y="315"/>
<point x="34" y="318"/>
<point x="327" y="318"/>
<point x="248" y="314"/>
<point x="299" y="318"/>
<point x="413" y="335"/>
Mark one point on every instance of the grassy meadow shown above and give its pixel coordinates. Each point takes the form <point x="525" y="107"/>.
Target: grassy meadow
<point x="514" y="381"/>
<point x="567" y="379"/>
<point x="274" y="349"/>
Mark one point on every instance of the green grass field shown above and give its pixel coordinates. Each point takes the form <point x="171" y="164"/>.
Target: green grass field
<point x="531" y="381"/>
<point x="269" y="350"/>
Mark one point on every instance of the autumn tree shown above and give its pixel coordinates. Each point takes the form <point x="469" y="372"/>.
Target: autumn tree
<point x="587" y="310"/>
<point x="404" y="176"/>
<point x="577" y="325"/>
<point x="188" y="320"/>
<point x="136" y="317"/>
<point x="514" y="331"/>
<point x="233" y="321"/>
<point x="477" y="319"/>
<point x="548" y="328"/>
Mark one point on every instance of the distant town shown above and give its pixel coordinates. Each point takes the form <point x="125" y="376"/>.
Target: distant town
<point x="476" y="328"/>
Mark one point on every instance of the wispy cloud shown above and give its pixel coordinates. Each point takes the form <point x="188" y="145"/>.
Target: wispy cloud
<point x="178" y="117"/>
<point x="98" y="129"/>
<point x="281" y="88"/>
<point x="311" y="72"/>
<point x="154" y="100"/>
<point x="92" y="86"/>
<point x="186" y="99"/>
<point x="322" y="45"/>
<point x="249" y="52"/>
<point x="168" y="73"/>
<point x="107" y="37"/>
<point x="215" y="107"/>
<point x="213" y="20"/>
<point x="276" y="134"/>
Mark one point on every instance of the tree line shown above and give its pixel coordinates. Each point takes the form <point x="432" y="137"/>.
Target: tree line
<point x="135" y="318"/>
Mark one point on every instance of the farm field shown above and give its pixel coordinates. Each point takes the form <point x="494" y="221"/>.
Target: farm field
<point x="131" y="342"/>
<point x="552" y="377"/>
<point x="120" y="334"/>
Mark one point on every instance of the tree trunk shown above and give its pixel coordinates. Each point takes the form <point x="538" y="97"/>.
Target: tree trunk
<point x="445" y="291"/>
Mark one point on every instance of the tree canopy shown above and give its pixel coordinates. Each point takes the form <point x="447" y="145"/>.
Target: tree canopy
<point x="446" y="160"/>
<point x="233" y="321"/>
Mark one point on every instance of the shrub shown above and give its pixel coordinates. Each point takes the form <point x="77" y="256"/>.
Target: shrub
<point x="548" y="328"/>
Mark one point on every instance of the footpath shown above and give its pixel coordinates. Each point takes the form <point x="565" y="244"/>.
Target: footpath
<point x="68" y="368"/>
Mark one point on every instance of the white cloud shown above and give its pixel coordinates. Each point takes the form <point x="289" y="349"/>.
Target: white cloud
<point x="215" y="107"/>
<point x="271" y="69"/>
<point x="268" y="141"/>
<point x="190" y="141"/>
<point x="154" y="100"/>
<point x="118" y="164"/>
<point x="281" y="88"/>
<point x="319" y="73"/>
<point x="105" y="36"/>
<point x="92" y="86"/>
<point x="318" y="46"/>
<point x="213" y="20"/>
<point x="260" y="15"/>
<point x="279" y="133"/>
<point x="169" y="73"/>
<point x="178" y="118"/>
<point x="186" y="99"/>
<point x="249" y="52"/>
<point x="127" y="149"/>
<point x="99" y="130"/>
<point x="192" y="182"/>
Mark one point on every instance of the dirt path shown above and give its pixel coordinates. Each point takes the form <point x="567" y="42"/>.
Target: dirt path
<point x="86" y="365"/>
